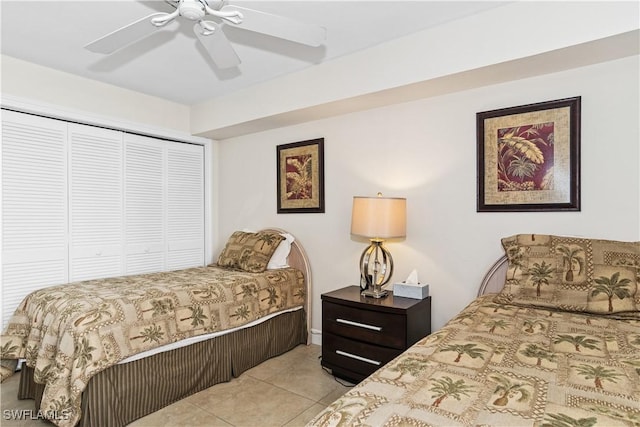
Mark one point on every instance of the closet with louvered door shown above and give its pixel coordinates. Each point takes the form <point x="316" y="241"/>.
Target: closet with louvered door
<point x="34" y="206"/>
<point x="185" y="206"/>
<point x="145" y="223"/>
<point x="95" y="202"/>
<point x="82" y="202"/>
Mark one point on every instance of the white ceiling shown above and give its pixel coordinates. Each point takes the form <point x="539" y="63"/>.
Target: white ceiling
<point x="170" y="64"/>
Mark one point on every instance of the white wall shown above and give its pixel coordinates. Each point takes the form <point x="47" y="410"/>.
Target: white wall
<point x="426" y="151"/>
<point x="44" y="85"/>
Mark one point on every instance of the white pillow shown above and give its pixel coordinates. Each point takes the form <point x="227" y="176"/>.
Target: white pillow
<point x="279" y="257"/>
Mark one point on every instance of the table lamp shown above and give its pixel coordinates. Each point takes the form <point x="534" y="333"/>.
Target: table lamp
<point x="377" y="218"/>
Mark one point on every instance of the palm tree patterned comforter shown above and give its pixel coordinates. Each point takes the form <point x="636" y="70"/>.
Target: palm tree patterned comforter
<point x="505" y="365"/>
<point x="68" y="333"/>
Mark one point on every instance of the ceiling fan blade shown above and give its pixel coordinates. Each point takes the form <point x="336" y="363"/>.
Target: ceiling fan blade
<point x="278" y="26"/>
<point x="125" y="35"/>
<point x="217" y="46"/>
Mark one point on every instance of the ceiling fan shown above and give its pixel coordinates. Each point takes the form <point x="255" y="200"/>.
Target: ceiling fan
<point x="210" y="32"/>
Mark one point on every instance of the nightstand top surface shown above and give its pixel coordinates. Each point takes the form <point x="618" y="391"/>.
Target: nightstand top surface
<point x="352" y="294"/>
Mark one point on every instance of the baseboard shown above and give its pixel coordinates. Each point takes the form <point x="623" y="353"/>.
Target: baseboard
<point x="316" y="337"/>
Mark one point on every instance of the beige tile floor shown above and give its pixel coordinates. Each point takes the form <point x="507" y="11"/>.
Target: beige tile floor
<point x="288" y="390"/>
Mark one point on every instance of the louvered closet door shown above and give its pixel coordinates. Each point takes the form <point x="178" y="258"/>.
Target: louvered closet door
<point x="144" y="204"/>
<point x="185" y="205"/>
<point x="34" y="206"/>
<point x="95" y="202"/>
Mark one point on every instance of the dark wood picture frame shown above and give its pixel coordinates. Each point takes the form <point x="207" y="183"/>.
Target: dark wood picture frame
<point x="529" y="157"/>
<point x="301" y="177"/>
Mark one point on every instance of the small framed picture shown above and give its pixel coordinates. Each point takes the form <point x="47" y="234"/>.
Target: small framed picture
<point x="529" y="157"/>
<point x="301" y="177"/>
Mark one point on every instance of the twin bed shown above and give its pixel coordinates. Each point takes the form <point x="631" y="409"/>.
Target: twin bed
<point x="106" y="352"/>
<point x="553" y="339"/>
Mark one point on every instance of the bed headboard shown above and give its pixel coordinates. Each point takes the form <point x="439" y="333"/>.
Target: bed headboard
<point x="493" y="280"/>
<point x="298" y="259"/>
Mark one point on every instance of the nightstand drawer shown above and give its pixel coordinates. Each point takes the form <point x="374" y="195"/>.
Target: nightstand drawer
<point x="385" y="329"/>
<point x="355" y="356"/>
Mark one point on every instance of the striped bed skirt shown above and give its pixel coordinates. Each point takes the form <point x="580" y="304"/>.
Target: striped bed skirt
<point x="123" y="393"/>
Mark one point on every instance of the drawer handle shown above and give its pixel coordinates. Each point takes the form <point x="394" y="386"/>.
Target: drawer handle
<point x="355" y="356"/>
<point x="359" y="325"/>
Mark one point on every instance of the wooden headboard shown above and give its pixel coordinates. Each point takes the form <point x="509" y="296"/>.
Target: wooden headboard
<point x="298" y="259"/>
<point x="493" y="280"/>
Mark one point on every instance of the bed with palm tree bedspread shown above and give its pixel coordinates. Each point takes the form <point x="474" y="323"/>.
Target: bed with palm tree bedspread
<point x="129" y="333"/>
<point x="558" y="346"/>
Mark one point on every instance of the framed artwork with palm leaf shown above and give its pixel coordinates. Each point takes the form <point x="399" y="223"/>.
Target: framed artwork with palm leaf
<point x="301" y="177"/>
<point x="529" y="157"/>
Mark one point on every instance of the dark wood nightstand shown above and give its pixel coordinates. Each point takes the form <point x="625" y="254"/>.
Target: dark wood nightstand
<point x="361" y="334"/>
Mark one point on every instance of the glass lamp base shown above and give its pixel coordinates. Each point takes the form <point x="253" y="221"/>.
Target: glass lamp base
<point x="374" y="293"/>
<point x="376" y="268"/>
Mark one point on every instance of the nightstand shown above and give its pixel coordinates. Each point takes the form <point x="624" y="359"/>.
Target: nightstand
<point x="360" y="334"/>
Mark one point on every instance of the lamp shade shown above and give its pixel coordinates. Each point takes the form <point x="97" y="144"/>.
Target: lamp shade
<point x="379" y="217"/>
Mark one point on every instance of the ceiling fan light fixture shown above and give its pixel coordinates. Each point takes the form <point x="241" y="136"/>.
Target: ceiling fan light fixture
<point x="191" y="9"/>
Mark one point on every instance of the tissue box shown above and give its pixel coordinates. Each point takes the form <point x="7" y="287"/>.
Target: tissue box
<point x="411" y="290"/>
